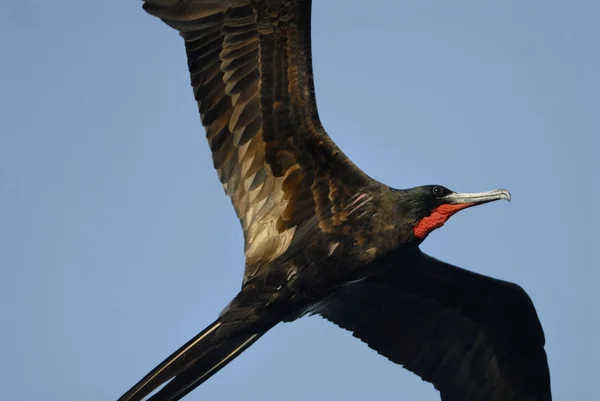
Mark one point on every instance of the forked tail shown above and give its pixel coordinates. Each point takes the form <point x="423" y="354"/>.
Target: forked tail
<point x="191" y="365"/>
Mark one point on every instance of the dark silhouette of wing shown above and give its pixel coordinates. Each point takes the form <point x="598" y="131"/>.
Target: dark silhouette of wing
<point x="473" y="337"/>
<point x="250" y="68"/>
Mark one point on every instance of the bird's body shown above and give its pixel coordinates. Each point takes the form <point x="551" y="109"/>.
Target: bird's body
<point x="321" y="236"/>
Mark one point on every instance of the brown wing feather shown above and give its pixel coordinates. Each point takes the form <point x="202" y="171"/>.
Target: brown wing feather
<point x="475" y="338"/>
<point x="251" y="70"/>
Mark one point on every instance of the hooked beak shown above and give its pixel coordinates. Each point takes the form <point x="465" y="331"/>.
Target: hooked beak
<point x="453" y="203"/>
<point x="476" y="198"/>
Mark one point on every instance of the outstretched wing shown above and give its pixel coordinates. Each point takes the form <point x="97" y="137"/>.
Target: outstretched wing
<point x="250" y="68"/>
<point x="474" y="337"/>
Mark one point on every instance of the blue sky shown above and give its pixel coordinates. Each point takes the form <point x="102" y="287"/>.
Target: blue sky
<point x="117" y="243"/>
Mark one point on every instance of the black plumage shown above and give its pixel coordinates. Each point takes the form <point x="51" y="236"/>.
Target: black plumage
<point x="322" y="237"/>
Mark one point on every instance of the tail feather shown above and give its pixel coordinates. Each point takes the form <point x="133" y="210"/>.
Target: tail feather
<point x="190" y="365"/>
<point x="204" y="368"/>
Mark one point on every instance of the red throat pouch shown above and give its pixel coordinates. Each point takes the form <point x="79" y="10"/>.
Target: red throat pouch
<point x="437" y="218"/>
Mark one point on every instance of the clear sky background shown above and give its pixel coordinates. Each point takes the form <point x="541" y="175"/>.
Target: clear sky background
<point x="117" y="243"/>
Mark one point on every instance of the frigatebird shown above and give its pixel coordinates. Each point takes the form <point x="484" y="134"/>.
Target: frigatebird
<point x="322" y="237"/>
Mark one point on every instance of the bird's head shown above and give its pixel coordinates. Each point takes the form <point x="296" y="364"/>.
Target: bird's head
<point x="429" y="207"/>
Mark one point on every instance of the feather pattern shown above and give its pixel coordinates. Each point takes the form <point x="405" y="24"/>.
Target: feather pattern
<point x="321" y="236"/>
<point x="251" y="72"/>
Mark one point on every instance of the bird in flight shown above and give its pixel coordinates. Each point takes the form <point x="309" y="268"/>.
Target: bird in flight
<point x="321" y="237"/>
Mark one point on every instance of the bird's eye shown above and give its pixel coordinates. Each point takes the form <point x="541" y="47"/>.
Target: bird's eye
<point x="437" y="190"/>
